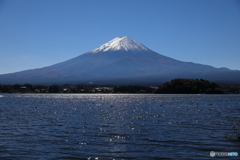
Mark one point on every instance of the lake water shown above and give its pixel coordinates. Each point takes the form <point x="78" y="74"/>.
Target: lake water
<point x="117" y="126"/>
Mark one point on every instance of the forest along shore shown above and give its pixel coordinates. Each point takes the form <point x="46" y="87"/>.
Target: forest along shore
<point x="176" y="86"/>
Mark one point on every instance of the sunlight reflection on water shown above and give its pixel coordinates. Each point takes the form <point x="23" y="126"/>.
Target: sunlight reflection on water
<point x="115" y="126"/>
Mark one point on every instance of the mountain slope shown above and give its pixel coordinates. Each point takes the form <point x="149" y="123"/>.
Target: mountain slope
<point x="119" y="60"/>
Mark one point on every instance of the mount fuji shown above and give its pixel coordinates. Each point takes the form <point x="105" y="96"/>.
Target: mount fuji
<point x="120" y="61"/>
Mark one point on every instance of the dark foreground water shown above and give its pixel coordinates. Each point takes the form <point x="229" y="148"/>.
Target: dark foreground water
<point x="114" y="126"/>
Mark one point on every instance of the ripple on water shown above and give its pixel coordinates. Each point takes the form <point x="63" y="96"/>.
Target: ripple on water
<point x="80" y="126"/>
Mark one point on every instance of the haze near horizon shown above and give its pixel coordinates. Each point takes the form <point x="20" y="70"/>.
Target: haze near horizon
<point x="36" y="34"/>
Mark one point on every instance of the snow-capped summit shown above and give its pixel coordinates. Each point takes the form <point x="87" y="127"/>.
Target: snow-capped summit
<point x="121" y="43"/>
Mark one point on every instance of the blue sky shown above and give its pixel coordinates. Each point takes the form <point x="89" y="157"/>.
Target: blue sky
<point x="39" y="33"/>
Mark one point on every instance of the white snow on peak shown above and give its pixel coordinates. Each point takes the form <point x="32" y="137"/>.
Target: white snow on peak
<point x="121" y="43"/>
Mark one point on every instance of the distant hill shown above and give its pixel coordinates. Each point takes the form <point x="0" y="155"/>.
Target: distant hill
<point x="120" y="61"/>
<point x="189" y="86"/>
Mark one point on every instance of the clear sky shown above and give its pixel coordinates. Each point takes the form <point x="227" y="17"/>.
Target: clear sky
<point x="38" y="33"/>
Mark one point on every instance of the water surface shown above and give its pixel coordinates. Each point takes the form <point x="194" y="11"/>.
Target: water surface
<point x="117" y="126"/>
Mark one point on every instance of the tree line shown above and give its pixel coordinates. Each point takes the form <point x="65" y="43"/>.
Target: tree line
<point x="176" y="86"/>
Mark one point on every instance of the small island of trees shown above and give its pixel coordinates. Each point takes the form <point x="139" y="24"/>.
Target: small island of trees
<point x="189" y="86"/>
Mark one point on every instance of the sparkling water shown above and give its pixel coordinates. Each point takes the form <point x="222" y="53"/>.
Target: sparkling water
<point x="117" y="126"/>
